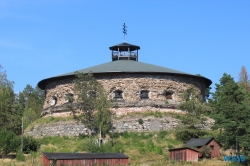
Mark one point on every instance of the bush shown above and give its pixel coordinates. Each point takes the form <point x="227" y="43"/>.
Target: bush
<point x="150" y="146"/>
<point x="186" y="134"/>
<point x="140" y="121"/>
<point x="162" y="134"/>
<point x="158" y="150"/>
<point x="20" y="156"/>
<point x="9" y="142"/>
<point x="205" y="151"/>
<point x="146" y="135"/>
<point x="30" y="144"/>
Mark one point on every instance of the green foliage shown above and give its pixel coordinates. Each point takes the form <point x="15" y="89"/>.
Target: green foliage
<point x="194" y="104"/>
<point x="231" y="113"/>
<point x="152" y="148"/>
<point x="20" y="156"/>
<point x="140" y="121"/>
<point x="30" y="102"/>
<point x="244" y="80"/>
<point x="9" y="142"/>
<point x="205" y="151"/>
<point x="91" y="97"/>
<point x="183" y="134"/>
<point x="103" y="114"/>
<point x="162" y="134"/>
<point x="9" y="116"/>
<point x="30" y="144"/>
<point x="91" y="145"/>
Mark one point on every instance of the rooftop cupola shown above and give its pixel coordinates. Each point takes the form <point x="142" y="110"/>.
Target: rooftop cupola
<point x="124" y="51"/>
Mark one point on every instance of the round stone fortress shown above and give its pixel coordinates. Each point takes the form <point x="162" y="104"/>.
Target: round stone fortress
<point x="133" y="86"/>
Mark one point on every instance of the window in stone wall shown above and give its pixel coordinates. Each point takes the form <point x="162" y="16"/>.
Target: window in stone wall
<point x="118" y="94"/>
<point x="169" y="95"/>
<point x="144" y="94"/>
<point x="69" y="98"/>
<point x="53" y="100"/>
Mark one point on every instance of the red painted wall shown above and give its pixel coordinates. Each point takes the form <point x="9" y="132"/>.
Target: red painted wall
<point x="215" y="152"/>
<point x="184" y="154"/>
<point x="87" y="162"/>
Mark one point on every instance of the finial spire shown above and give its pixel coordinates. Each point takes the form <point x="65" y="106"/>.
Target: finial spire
<point x="124" y="30"/>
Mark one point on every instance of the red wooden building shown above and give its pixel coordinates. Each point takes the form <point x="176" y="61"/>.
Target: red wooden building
<point x="209" y="142"/>
<point x="85" y="159"/>
<point x="184" y="154"/>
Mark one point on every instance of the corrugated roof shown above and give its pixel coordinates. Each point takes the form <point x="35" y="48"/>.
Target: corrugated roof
<point x="61" y="156"/>
<point x="194" y="142"/>
<point x="126" y="66"/>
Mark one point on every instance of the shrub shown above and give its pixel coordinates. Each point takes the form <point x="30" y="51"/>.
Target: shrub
<point x="150" y="146"/>
<point x="9" y="142"/>
<point x="140" y="121"/>
<point x="30" y="144"/>
<point x="162" y="134"/>
<point x="158" y="150"/>
<point x="205" y="151"/>
<point x="20" y="156"/>
<point x="186" y="134"/>
<point x="146" y="135"/>
<point x="170" y="146"/>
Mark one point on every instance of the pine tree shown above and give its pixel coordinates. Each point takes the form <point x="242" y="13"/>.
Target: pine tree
<point x="244" y="79"/>
<point x="7" y="102"/>
<point x="231" y="114"/>
<point x="30" y="103"/>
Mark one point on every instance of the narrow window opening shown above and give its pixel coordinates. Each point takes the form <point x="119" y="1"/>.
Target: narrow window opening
<point x="169" y="95"/>
<point x="53" y="101"/>
<point x="118" y="94"/>
<point x="144" y="94"/>
<point x="212" y="147"/>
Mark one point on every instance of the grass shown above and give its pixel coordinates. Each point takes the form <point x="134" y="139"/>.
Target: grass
<point x="143" y="148"/>
<point x="47" y="120"/>
<point x="149" y="149"/>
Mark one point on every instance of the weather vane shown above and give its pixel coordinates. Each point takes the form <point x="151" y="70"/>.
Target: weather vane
<point x="124" y="30"/>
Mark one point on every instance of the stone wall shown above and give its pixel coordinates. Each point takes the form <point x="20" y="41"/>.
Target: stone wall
<point x="72" y="128"/>
<point x="128" y="123"/>
<point x="131" y="85"/>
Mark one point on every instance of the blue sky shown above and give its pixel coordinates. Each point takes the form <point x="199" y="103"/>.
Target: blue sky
<point x="44" y="38"/>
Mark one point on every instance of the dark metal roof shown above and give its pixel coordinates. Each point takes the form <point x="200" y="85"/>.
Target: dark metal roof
<point x="66" y="156"/>
<point x="124" y="47"/>
<point x="126" y="66"/>
<point x="194" y="142"/>
<point x="183" y="148"/>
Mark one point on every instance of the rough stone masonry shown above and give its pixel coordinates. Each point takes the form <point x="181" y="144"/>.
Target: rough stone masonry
<point x="130" y="85"/>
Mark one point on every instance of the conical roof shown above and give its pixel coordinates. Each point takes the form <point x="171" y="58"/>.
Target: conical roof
<point x="125" y="66"/>
<point x="124" y="46"/>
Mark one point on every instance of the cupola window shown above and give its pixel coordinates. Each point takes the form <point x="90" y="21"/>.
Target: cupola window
<point x="53" y="100"/>
<point x="144" y="94"/>
<point x="118" y="94"/>
<point x="69" y="98"/>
